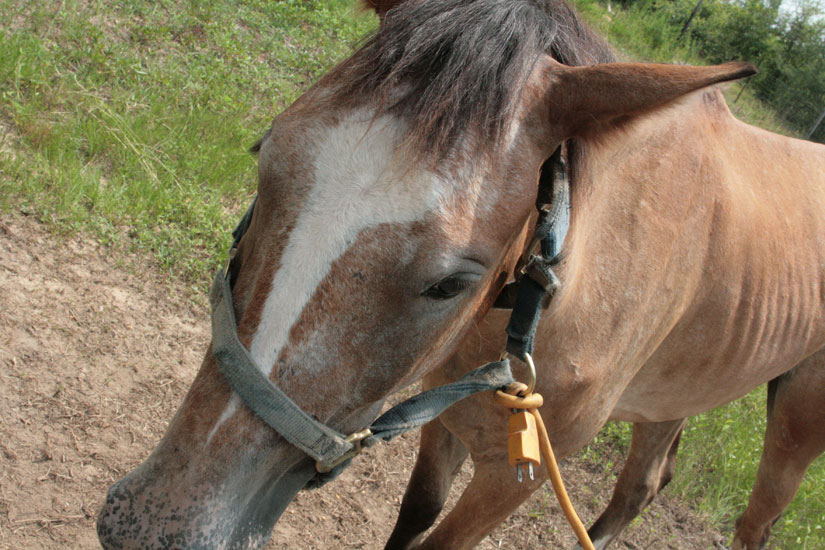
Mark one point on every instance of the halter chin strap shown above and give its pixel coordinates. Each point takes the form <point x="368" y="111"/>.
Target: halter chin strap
<point x="331" y="450"/>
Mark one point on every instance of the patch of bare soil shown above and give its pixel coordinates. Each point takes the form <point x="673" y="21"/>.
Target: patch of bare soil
<point x="96" y="353"/>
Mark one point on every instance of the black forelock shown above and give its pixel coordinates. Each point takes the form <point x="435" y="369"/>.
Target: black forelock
<point x="449" y="66"/>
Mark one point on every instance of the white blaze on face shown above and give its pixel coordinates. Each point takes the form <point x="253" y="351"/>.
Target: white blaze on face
<point x="359" y="182"/>
<point x="357" y="186"/>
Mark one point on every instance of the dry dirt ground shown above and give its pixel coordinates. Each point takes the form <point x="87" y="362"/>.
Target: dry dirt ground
<point x="96" y="352"/>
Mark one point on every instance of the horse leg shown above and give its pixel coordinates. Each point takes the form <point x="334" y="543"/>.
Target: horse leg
<point x="440" y="456"/>
<point x="794" y="437"/>
<point x="492" y="495"/>
<point x="648" y="469"/>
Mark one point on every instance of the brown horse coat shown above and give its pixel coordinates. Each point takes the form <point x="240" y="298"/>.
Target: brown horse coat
<point x="394" y="200"/>
<point x="695" y="272"/>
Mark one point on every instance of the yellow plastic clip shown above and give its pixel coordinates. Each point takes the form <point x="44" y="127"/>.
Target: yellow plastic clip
<point x="523" y="443"/>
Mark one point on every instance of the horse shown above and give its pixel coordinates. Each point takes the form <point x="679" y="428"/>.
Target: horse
<point x="395" y="199"/>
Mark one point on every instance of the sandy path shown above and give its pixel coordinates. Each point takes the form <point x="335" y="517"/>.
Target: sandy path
<point x="96" y="352"/>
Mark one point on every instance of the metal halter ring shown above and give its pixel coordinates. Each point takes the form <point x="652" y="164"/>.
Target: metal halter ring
<point x="528" y="360"/>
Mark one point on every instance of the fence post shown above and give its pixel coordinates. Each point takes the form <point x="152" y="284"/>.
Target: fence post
<point x="816" y="125"/>
<point x="742" y="89"/>
<point x="690" y="19"/>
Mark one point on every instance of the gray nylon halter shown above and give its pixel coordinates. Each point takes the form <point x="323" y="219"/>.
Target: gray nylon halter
<point x="332" y="450"/>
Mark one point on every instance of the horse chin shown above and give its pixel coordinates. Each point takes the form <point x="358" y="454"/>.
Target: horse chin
<point x="204" y="520"/>
<point x="254" y="528"/>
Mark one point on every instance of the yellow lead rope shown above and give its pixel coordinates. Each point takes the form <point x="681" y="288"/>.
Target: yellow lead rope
<point x="531" y="403"/>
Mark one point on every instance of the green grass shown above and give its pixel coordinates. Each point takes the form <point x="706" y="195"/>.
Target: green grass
<point x="716" y="468"/>
<point x="718" y="462"/>
<point x="129" y="122"/>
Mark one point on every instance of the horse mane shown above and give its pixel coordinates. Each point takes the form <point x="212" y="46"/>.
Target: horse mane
<point x="453" y="66"/>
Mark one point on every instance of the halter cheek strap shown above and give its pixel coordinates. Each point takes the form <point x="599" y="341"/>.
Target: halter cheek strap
<point x="257" y="391"/>
<point x="537" y="285"/>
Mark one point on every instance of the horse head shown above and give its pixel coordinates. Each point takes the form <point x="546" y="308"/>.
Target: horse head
<point x="394" y="200"/>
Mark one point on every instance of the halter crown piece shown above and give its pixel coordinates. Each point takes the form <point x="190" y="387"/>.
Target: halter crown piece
<point x="331" y="450"/>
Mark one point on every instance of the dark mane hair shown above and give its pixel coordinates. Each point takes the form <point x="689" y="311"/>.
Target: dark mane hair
<point x="449" y="66"/>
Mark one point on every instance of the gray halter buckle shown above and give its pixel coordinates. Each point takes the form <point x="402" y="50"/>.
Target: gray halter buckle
<point x="354" y="438"/>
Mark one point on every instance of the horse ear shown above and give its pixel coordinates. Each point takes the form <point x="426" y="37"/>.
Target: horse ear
<point x="582" y="98"/>
<point x="381" y="7"/>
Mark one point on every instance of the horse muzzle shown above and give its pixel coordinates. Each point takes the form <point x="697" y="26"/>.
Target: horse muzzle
<point x="146" y="511"/>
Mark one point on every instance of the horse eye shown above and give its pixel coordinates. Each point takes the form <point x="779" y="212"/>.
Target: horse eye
<point x="446" y="288"/>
